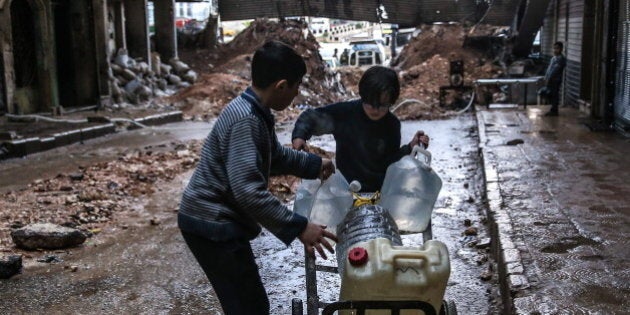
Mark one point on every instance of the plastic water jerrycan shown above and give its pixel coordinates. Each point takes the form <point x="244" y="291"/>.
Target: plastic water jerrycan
<point x="410" y="190"/>
<point x="376" y="270"/>
<point x="324" y="203"/>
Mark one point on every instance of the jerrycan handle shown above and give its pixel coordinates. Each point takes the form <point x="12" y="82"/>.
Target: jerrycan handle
<point x="420" y="149"/>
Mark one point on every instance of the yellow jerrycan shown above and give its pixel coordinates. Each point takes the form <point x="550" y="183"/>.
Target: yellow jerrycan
<point x="376" y="270"/>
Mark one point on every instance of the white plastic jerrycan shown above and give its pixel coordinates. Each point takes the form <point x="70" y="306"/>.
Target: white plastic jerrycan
<point x="376" y="270"/>
<point x="324" y="203"/>
<point x="410" y="190"/>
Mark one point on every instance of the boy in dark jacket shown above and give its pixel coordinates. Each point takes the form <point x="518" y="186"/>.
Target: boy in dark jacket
<point x="366" y="132"/>
<point x="228" y="199"/>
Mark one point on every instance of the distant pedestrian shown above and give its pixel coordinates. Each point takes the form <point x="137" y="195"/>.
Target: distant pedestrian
<point x="335" y="54"/>
<point x="553" y="78"/>
<point x="227" y="199"/>
<point x="345" y="55"/>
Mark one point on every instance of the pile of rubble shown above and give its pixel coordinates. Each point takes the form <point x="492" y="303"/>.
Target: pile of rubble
<point x="232" y="63"/>
<point x="135" y="82"/>
<point x="105" y="195"/>
<point x="95" y="196"/>
<point x="423" y="66"/>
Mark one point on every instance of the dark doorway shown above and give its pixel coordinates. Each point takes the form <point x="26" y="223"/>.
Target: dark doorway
<point x="588" y="60"/>
<point x="3" y="93"/>
<point x="66" y="80"/>
<point x="25" y="56"/>
<point x="76" y="53"/>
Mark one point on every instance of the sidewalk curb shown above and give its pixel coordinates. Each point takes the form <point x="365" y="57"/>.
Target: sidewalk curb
<point x="23" y="147"/>
<point x="510" y="268"/>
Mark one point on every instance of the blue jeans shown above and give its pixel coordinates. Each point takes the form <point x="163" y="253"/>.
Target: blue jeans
<point x="233" y="273"/>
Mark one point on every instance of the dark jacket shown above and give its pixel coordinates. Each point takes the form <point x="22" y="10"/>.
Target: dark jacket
<point x="553" y="75"/>
<point x="228" y="197"/>
<point x="365" y="148"/>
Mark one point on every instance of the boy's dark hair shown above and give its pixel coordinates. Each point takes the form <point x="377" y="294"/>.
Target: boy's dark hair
<point x="276" y="61"/>
<point x="376" y="81"/>
<point x="559" y="44"/>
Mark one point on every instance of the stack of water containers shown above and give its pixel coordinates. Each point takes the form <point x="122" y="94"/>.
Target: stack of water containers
<point x="372" y="262"/>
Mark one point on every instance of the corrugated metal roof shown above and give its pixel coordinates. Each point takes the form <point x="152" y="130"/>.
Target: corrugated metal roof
<point x="403" y="12"/>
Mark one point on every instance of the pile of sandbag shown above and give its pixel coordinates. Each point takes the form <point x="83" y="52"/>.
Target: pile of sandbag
<point x="136" y="81"/>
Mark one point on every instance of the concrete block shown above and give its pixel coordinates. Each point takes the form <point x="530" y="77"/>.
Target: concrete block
<point x="517" y="282"/>
<point x="48" y="143"/>
<point x="515" y="268"/>
<point x="68" y="137"/>
<point x="511" y="256"/>
<point x="23" y="147"/>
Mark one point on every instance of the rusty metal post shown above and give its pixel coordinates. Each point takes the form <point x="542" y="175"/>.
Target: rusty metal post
<point x="312" y="299"/>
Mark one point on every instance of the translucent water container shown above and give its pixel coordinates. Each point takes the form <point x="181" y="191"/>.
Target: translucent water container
<point x="376" y="270"/>
<point x="326" y="203"/>
<point x="410" y="190"/>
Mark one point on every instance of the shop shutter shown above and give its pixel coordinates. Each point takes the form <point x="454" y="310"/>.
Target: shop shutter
<point x="622" y="93"/>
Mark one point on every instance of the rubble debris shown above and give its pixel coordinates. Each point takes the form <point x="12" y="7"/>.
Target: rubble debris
<point x="106" y="194"/>
<point x="10" y="265"/>
<point x="135" y="82"/>
<point x="109" y="191"/>
<point x="230" y="70"/>
<point x="470" y="231"/>
<point x="76" y="176"/>
<point x="483" y="243"/>
<point x="49" y="259"/>
<point x="515" y="142"/>
<point x="485" y="276"/>
<point x="424" y="66"/>
<point x="47" y="236"/>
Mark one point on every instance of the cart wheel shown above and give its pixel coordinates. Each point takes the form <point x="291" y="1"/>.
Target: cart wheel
<point x="296" y="307"/>
<point x="448" y="308"/>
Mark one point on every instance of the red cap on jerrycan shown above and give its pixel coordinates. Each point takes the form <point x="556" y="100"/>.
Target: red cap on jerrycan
<point x="358" y="256"/>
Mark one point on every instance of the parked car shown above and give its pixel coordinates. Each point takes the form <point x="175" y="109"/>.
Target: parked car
<point x="367" y="52"/>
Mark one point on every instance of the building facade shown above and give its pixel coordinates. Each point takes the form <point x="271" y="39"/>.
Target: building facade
<point x="57" y="52"/>
<point x="596" y="37"/>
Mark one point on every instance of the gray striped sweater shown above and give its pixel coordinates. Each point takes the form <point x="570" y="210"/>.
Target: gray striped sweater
<point x="227" y="197"/>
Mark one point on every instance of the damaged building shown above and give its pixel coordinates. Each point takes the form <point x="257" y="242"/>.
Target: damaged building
<point x="595" y="33"/>
<point x="62" y="53"/>
<point x="58" y="53"/>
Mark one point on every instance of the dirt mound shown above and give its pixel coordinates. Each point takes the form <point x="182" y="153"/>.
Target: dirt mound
<point x="209" y="95"/>
<point x="230" y="67"/>
<point x="424" y="66"/>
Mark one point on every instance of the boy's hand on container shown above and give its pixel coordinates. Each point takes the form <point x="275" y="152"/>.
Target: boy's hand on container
<point x="300" y="144"/>
<point x="314" y="236"/>
<point x="419" y="138"/>
<point x="328" y="168"/>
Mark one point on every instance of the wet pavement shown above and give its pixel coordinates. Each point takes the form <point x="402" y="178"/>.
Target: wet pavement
<point x="560" y="197"/>
<point x="147" y="269"/>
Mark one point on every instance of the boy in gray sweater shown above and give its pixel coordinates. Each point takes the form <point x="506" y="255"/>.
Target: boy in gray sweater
<point x="227" y="199"/>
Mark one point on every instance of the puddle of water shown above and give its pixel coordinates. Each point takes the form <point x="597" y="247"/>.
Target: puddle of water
<point x="567" y="243"/>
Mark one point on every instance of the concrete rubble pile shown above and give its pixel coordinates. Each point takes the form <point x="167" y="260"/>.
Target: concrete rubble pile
<point x="423" y="66"/>
<point x="231" y="62"/>
<point x="136" y="82"/>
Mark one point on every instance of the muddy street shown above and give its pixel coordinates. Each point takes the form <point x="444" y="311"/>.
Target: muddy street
<point x="141" y="264"/>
